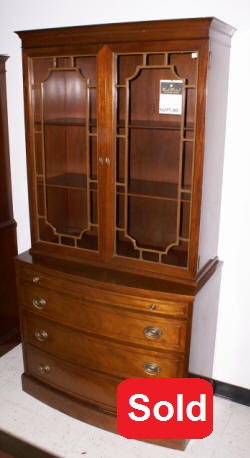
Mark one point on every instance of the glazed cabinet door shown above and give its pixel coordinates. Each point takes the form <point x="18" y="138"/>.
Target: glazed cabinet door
<point x="113" y="137"/>
<point x="155" y="95"/>
<point x="64" y="151"/>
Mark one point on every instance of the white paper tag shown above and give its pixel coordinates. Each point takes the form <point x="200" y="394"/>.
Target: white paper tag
<point x="170" y="97"/>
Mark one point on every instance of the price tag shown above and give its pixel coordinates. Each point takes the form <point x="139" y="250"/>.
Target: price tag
<point x="170" y="101"/>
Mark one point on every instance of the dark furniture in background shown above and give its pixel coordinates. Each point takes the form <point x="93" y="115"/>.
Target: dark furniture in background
<point x="9" y="322"/>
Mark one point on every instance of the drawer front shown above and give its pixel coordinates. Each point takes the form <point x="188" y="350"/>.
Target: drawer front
<point x="93" y="387"/>
<point x="147" y="302"/>
<point x="149" y="330"/>
<point x="99" y="354"/>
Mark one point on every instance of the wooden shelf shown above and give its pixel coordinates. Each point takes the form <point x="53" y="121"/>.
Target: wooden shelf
<point x="68" y="122"/>
<point x="68" y="180"/>
<point x="157" y="190"/>
<point x="155" y="125"/>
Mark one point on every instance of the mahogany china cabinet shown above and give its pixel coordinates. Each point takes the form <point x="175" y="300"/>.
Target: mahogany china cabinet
<point x="125" y="137"/>
<point x="9" y="322"/>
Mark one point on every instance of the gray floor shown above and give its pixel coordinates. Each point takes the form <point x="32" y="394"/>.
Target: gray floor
<point x="44" y="427"/>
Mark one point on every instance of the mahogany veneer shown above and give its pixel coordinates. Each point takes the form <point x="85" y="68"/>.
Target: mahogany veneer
<point x="122" y="148"/>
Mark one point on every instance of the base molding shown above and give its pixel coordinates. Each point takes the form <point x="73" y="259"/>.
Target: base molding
<point x="85" y="412"/>
<point x="226" y="390"/>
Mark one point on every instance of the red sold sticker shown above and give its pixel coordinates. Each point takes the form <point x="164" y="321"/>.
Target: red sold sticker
<point x="165" y="408"/>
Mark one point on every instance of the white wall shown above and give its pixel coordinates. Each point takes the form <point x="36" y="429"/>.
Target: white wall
<point x="233" y="337"/>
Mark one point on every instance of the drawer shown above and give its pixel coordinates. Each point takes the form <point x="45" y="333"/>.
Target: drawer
<point x="97" y="389"/>
<point x="94" y="353"/>
<point x="148" y="301"/>
<point x="149" y="330"/>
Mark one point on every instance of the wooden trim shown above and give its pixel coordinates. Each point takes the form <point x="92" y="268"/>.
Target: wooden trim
<point x="99" y="276"/>
<point x="207" y="271"/>
<point x="179" y="29"/>
<point x="8" y="224"/>
<point x="105" y="150"/>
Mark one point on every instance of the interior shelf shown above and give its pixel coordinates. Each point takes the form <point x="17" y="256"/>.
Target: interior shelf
<point x="153" y="189"/>
<point x="159" y="125"/>
<point x="68" y="121"/>
<point x="70" y="180"/>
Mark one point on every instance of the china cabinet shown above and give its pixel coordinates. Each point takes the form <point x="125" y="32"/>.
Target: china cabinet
<point x="9" y="323"/>
<point x="125" y="137"/>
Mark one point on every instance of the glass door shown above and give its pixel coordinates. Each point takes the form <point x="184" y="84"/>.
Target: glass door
<point x="156" y="104"/>
<point x="65" y="139"/>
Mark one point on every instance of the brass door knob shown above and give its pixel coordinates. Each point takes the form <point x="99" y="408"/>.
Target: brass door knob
<point x="151" y="368"/>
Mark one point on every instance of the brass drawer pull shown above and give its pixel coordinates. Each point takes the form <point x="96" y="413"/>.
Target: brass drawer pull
<point x="43" y="368"/>
<point x="41" y="335"/>
<point x="151" y="368"/>
<point x="152" y="332"/>
<point x="36" y="279"/>
<point x="39" y="302"/>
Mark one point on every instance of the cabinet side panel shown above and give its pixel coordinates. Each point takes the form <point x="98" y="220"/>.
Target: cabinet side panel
<point x="217" y="90"/>
<point x="204" y="325"/>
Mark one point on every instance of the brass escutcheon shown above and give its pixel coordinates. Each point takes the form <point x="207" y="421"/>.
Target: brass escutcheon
<point x="41" y="335"/>
<point x="151" y="368"/>
<point x="152" y="332"/>
<point x="39" y="302"/>
<point x="43" y="368"/>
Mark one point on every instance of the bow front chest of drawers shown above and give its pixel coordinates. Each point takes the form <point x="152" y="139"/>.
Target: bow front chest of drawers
<point x="124" y="154"/>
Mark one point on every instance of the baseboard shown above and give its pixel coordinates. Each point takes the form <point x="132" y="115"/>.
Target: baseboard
<point x="225" y="390"/>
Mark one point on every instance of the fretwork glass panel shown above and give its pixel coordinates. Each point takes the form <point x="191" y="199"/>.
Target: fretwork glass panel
<point x="64" y="97"/>
<point x="154" y="155"/>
